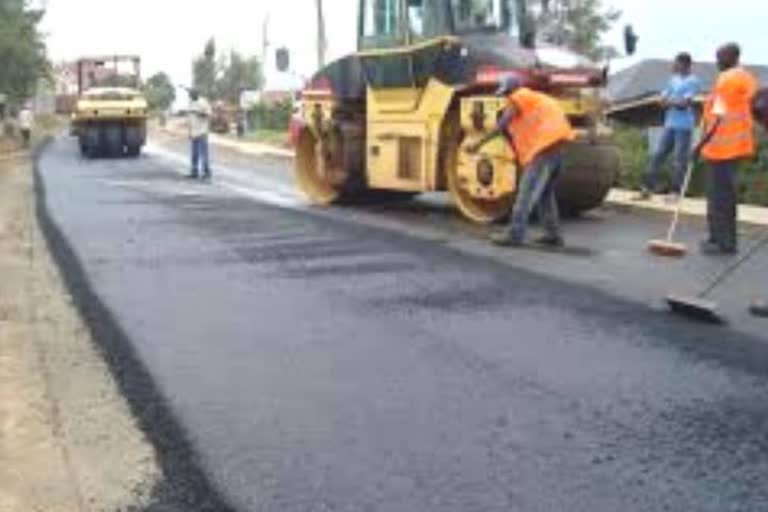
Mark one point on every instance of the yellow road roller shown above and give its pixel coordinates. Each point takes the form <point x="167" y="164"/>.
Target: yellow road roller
<point x="110" y="115"/>
<point x="392" y="120"/>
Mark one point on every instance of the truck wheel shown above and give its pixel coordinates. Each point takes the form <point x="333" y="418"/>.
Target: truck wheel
<point x="133" y="141"/>
<point x="113" y="140"/>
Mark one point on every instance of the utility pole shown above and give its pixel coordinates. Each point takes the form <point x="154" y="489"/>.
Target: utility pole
<point x="264" y="46"/>
<point x="321" y="41"/>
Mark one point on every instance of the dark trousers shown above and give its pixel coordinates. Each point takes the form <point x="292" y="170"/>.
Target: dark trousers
<point x="722" y="204"/>
<point x="537" y="190"/>
<point x="676" y="140"/>
<point x="26" y="136"/>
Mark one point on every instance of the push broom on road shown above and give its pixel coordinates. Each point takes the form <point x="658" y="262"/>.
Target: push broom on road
<point x="699" y="307"/>
<point x="669" y="247"/>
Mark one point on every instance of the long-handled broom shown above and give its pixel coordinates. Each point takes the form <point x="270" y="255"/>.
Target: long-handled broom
<point x="668" y="247"/>
<point x="699" y="307"/>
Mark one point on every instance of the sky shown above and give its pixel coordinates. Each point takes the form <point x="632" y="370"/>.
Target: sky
<point x="167" y="34"/>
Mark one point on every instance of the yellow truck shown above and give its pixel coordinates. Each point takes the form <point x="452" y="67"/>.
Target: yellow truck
<point x="110" y="115"/>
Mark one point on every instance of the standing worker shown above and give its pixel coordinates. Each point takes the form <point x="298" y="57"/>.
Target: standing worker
<point x="728" y="140"/>
<point x="26" y="119"/>
<point x="199" y="117"/>
<point x="537" y="129"/>
<point x="680" y="120"/>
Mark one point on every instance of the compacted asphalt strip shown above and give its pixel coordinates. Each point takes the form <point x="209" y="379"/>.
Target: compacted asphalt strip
<point x="292" y="360"/>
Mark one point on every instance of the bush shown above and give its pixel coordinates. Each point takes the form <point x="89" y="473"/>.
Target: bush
<point x="272" y="116"/>
<point x="633" y="147"/>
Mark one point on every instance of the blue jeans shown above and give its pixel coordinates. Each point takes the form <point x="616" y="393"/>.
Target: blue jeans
<point x="200" y="153"/>
<point x="537" y="189"/>
<point x="671" y="139"/>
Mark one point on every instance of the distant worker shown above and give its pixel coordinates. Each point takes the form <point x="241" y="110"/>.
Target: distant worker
<point x="199" y="117"/>
<point x="728" y="140"/>
<point x="26" y="120"/>
<point x="679" y="123"/>
<point x="537" y="129"/>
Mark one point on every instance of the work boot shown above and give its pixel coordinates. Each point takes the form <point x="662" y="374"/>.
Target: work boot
<point x="551" y="241"/>
<point x="759" y="309"/>
<point x="504" y="239"/>
<point x="192" y="176"/>
<point x="710" y="248"/>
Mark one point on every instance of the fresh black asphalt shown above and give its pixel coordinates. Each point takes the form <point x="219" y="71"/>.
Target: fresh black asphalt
<point x="282" y="360"/>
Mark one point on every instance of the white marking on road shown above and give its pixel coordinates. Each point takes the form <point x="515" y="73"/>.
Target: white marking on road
<point x="243" y="183"/>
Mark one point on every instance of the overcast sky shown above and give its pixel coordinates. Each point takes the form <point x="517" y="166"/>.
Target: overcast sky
<point x="169" y="33"/>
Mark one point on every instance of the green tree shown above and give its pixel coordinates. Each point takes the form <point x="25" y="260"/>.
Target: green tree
<point x="23" y="58"/>
<point x="578" y="24"/>
<point x="205" y="70"/>
<point x="238" y="74"/>
<point x="160" y="92"/>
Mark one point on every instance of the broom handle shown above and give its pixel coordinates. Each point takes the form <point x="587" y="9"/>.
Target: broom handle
<point x="684" y="191"/>
<point x="679" y="207"/>
<point x="736" y="265"/>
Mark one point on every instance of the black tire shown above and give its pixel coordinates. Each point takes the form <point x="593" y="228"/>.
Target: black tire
<point x="113" y="140"/>
<point x="133" y="151"/>
<point x="590" y="172"/>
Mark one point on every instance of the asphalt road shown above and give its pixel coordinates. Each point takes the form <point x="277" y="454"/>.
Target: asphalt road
<point x="389" y="360"/>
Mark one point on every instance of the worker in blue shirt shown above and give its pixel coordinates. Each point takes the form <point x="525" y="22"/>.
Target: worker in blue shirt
<point x="679" y="124"/>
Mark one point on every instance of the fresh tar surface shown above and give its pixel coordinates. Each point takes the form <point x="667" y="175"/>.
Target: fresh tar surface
<point x="390" y="360"/>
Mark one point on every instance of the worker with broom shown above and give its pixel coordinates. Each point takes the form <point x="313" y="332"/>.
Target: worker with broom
<point x="536" y="129"/>
<point x="728" y="140"/>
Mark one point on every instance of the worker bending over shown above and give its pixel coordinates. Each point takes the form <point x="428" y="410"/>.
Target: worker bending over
<point x="536" y="129"/>
<point x="728" y="140"/>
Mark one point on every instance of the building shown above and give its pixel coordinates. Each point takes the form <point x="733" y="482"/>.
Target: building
<point x="633" y="94"/>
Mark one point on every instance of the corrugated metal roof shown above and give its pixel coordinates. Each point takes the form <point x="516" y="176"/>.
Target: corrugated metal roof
<point x="647" y="78"/>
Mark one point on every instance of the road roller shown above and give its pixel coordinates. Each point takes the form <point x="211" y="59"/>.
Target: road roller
<point x="393" y="119"/>
<point x="110" y="115"/>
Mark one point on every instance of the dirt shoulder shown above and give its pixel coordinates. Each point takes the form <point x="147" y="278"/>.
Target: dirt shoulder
<point x="67" y="439"/>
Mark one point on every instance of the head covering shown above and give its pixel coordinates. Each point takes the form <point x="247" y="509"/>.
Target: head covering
<point x="507" y="84"/>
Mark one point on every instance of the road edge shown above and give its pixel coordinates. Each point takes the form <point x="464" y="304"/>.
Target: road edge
<point x="185" y="486"/>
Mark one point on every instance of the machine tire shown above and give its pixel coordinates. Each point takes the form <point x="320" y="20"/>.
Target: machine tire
<point x="89" y="141"/>
<point x="590" y="172"/>
<point x="113" y="140"/>
<point x="133" y="141"/>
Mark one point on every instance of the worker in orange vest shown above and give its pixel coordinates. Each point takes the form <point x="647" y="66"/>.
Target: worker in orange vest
<point x="728" y="140"/>
<point x="537" y="129"/>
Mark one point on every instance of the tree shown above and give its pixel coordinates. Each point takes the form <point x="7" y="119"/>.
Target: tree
<point x="204" y="70"/>
<point x="578" y="24"/>
<point x="23" y="58"/>
<point x="160" y="92"/>
<point x="238" y="74"/>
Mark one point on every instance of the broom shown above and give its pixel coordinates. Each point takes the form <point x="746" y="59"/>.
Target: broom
<point x="668" y="247"/>
<point x="699" y="307"/>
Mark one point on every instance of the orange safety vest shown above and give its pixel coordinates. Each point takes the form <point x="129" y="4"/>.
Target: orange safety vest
<point x="540" y="123"/>
<point x="734" y="137"/>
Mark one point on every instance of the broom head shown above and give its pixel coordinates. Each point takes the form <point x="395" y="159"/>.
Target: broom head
<point x="695" y="308"/>
<point x="667" y="248"/>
